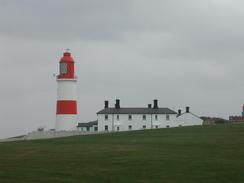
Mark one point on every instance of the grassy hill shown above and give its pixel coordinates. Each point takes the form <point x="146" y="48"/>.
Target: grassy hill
<point x="207" y="154"/>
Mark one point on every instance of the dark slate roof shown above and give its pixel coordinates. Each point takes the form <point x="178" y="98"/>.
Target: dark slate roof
<point x="136" y="111"/>
<point x="190" y="113"/>
<point x="88" y="124"/>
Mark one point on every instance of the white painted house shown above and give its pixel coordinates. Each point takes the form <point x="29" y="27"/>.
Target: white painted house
<point x="188" y="118"/>
<point x="124" y="119"/>
<point x="87" y="127"/>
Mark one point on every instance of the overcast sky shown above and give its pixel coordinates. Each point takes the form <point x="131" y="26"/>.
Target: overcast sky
<point x="181" y="52"/>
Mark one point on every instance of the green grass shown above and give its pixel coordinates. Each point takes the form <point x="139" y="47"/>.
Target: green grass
<point x="207" y="154"/>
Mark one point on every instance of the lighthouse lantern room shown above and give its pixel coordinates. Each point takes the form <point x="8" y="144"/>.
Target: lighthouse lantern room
<point x="66" y="109"/>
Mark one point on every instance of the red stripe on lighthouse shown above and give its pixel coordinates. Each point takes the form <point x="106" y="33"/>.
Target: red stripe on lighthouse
<point x="66" y="107"/>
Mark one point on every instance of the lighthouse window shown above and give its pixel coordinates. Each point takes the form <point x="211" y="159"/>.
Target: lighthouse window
<point x="63" y="68"/>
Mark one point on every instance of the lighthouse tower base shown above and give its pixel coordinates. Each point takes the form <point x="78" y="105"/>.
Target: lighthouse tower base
<point x="66" y="122"/>
<point x="66" y="115"/>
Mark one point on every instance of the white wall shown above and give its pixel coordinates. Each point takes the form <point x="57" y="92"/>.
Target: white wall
<point x="102" y="122"/>
<point x="137" y="121"/>
<point x="53" y="134"/>
<point x="162" y="121"/>
<point x="189" y="119"/>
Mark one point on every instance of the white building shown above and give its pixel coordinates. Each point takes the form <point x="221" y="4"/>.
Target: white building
<point x="124" y="119"/>
<point x="87" y="127"/>
<point x="188" y="118"/>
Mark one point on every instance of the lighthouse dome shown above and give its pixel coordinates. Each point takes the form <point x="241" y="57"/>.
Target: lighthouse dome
<point x="66" y="66"/>
<point x="66" y="57"/>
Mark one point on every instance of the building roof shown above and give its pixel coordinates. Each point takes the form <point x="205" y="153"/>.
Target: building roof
<point x="136" y="111"/>
<point x="88" y="124"/>
<point x="188" y="113"/>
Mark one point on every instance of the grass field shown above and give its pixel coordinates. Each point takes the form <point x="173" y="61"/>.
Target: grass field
<point x="207" y="154"/>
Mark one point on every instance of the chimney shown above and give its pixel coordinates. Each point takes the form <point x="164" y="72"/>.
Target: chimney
<point x="242" y="111"/>
<point x="187" y="109"/>
<point x="105" y="104"/>
<point x="155" y="104"/>
<point x="117" y="105"/>
<point x="149" y="105"/>
<point x="179" y="112"/>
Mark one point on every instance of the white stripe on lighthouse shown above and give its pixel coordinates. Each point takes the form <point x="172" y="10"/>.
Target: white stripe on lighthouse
<point x="67" y="89"/>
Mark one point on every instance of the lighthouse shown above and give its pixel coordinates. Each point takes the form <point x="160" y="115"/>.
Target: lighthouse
<point x="66" y="109"/>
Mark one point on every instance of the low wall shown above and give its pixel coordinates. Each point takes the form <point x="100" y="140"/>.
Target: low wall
<point x="54" y="134"/>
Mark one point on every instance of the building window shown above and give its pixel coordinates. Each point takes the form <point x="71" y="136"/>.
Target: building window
<point x="167" y="117"/>
<point x="130" y="127"/>
<point x="144" y="126"/>
<point x="156" y="126"/>
<point x="144" y="117"/>
<point x="117" y="128"/>
<point x="95" y="128"/>
<point x="106" y="117"/>
<point x="167" y="126"/>
<point x="87" y="128"/>
<point x="106" y="127"/>
<point x="130" y="117"/>
<point x="117" y="117"/>
<point x="156" y="117"/>
<point x="63" y="68"/>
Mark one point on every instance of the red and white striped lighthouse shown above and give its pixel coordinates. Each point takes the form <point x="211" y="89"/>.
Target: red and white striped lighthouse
<point x="66" y="111"/>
